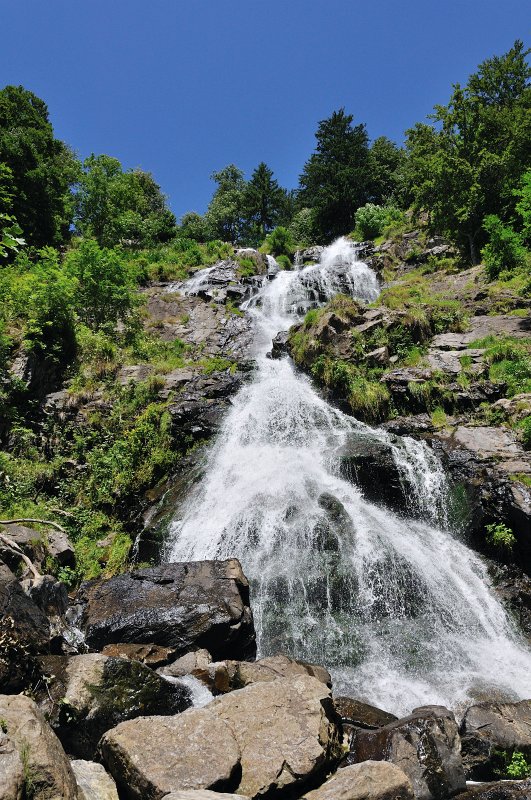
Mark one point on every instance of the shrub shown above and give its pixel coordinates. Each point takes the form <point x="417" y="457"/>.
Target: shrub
<point x="500" y="537"/>
<point x="525" y="427"/>
<point x="505" y="251"/>
<point x="371" y="220"/>
<point x="302" y="228"/>
<point x="279" y="242"/>
<point x="284" y="262"/>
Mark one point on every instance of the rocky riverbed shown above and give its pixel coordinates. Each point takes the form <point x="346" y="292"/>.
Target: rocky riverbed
<point x="160" y="697"/>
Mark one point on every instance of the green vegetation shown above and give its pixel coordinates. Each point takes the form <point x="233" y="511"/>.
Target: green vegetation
<point x="512" y="765"/>
<point x="372" y="220"/>
<point x="500" y="537"/>
<point x="509" y="361"/>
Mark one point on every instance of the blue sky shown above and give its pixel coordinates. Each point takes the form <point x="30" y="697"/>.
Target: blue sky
<point x="183" y="87"/>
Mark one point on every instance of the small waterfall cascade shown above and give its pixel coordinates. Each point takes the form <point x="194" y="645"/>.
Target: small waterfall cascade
<point x="398" y="608"/>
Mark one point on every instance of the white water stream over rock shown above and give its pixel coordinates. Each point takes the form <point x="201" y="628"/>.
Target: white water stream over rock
<point x="398" y="608"/>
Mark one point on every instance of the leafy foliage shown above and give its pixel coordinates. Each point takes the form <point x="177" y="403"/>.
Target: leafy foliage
<point x="336" y="178"/>
<point x="42" y="169"/>
<point x="115" y="206"/>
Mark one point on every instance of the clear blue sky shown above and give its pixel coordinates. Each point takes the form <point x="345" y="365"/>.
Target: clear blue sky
<point x="183" y="87"/>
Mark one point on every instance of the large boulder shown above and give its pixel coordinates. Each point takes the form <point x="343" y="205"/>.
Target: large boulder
<point x="11" y="770"/>
<point x="151" y="756"/>
<point x="24" y="633"/>
<point x="361" y="715"/>
<point x="266" y="737"/>
<point x="47" y="771"/>
<point x="93" y="693"/>
<point x="370" y="464"/>
<point x="425" y="745"/>
<point x="226" y="676"/>
<point x="202" y="794"/>
<point x="183" y="606"/>
<point x="93" y="782"/>
<point x="372" y="780"/>
<point x="487" y="729"/>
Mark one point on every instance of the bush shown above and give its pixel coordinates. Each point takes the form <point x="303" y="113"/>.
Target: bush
<point x="284" y="262"/>
<point x="500" y="537"/>
<point x="302" y="228"/>
<point x="505" y="251"/>
<point x="371" y="219"/>
<point x="525" y="427"/>
<point x="279" y="242"/>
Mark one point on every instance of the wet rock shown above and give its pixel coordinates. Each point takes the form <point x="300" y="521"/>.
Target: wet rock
<point x="310" y="254"/>
<point x="280" y="345"/>
<point x="152" y="756"/>
<point x="488" y="728"/>
<point x="39" y="749"/>
<point x="370" y="464"/>
<point x="182" y="606"/>
<point x="362" y="715"/>
<point x="372" y="780"/>
<point x="24" y="633"/>
<point x="11" y="770"/>
<point x="93" y="782"/>
<point x="49" y="594"/>
<point x="263" y="738"/>
<point x="425" y="745"/>
<point x="98" y="692"/>
<point x="499" y="790"/>
<point x="151" y="655"/>
<point x="514" y="588"/>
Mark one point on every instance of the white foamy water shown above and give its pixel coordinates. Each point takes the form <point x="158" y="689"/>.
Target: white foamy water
<point x="399" y="609"/>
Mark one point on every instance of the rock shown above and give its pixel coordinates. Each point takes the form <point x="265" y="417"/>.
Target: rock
<point x="280" y="345"/>
<point x="202" y="794"/>
<point x="37" y="545"/>
<point x="195" y="663"/>
<point x="11" y="770"/>
<point x="491" y="727"/>
<point x="263" y="738"/>
<point x="362" y="715"/>
<point x="310" y="254"/>
<point x="98" y="692"/>
<point x="151" y="655"/>
<point x="380" y="356"/>
<point x="49" y="594"/>
<point x="449" y="361"/>
<point x="151" y="756"/>
<point x="370" y="464"/>
<point x="226" y="676"/>
<point x="94" y="783"/>
<point x="136" y="373"/>
<point x="372" y="780"/>
<point x="426" y="745"/>
<point x="24" y="633"/>
<point x="182" y="606"/>
<point x="499" y="790"/>
<point x="45" y="762"/>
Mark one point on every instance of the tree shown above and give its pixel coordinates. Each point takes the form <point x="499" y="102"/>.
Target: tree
<point x="225" y="214"/>
<point x="264" y="202"/>
<point x="467" y="165"/>
<point x="104" y="287"/>
<point x="114" y="206"/>
<point x="385" y="162"/>
<point x="336" y="178"/>
<point x="43" y="169"/>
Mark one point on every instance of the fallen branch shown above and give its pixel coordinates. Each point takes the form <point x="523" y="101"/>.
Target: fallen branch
<point x="13" y="546"/>
<point x="39" y="521"/>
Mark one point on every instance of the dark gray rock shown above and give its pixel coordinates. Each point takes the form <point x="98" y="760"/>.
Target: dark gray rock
<point x="182" y="606"/>
<point x="425" y="745"/>
<point x="280" y="345"/>
<point x="371" y="466"/>
<point x="499" y="790"/>
<point x="24" y="633"/>
<point x="362" y="715"/>
<point x="489" y="728"/>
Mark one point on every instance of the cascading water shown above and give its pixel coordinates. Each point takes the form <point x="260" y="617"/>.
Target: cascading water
<point x="400" y="610"/>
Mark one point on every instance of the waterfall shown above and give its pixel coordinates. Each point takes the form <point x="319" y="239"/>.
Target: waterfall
<point x="399" y="609"/>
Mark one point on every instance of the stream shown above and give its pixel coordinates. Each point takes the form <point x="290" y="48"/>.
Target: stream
<point x="397" y="607"/>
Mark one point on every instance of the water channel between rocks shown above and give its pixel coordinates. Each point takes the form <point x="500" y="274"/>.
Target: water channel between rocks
<point x="398" y="608"/>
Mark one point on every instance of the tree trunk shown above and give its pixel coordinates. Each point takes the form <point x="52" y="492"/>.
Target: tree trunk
<point x="474" y="256"/>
